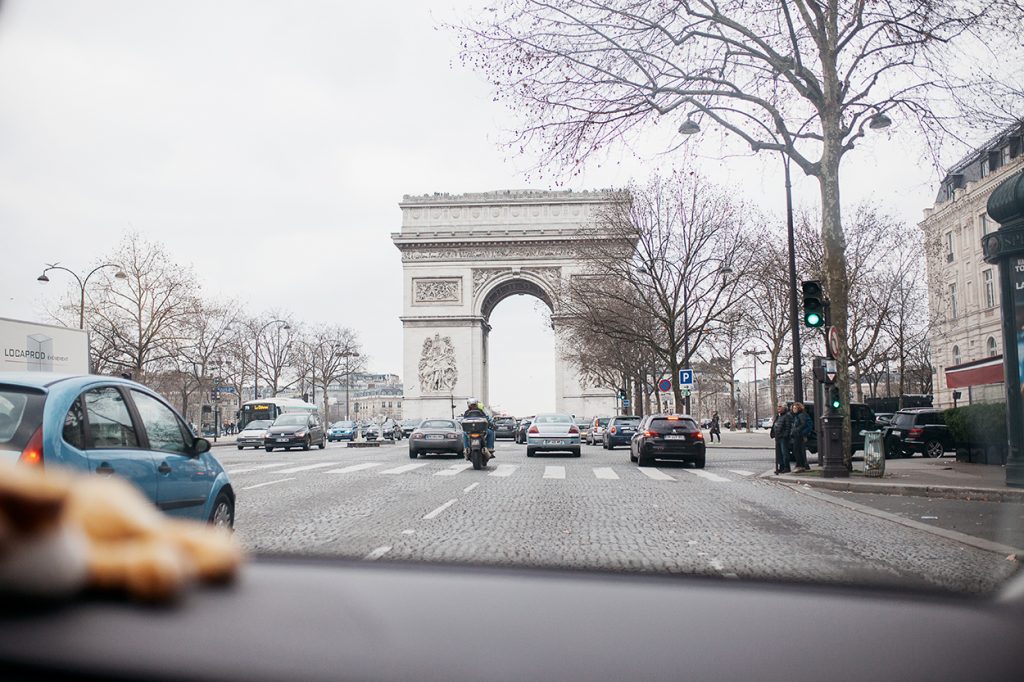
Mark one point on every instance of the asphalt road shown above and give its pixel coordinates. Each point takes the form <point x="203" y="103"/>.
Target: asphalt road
<point x="598" y="511"/>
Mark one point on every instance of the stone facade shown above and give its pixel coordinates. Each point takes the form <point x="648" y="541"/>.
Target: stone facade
<point x="963" y="290"/>
<point x="464" y="254"/>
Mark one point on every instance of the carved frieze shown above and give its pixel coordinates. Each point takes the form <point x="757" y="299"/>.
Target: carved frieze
<point x="438" y="371"/>
<point x="486" y="253"/>
<point x="482" y="276"/>
<point x="437" y="290"/>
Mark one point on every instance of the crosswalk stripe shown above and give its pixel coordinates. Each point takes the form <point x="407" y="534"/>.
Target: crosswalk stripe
<point x="307" y="467"/>
<point x="554" y="472"/>
<point x="503" y="470"/>
<point x="709" y="476"/>
<point x="606" y="473"/>
<point x="452" y="470"/>
<point x="406" y="467"/>
<point x="655" y="474"/>
<point x="355" y="467"/>
<point x="256" y="468"/>
<point x="741" y="472"/>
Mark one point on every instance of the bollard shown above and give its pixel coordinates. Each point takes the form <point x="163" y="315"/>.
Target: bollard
<point x="874" y="454"/>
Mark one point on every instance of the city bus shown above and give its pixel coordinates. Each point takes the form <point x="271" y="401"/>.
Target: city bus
<point x="272" y="408"/>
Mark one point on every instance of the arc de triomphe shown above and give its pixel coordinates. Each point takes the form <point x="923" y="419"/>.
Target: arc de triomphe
<point x="464" y="254"/>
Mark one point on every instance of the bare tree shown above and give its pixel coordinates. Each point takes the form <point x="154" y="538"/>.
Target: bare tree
<point x="770" y="314"/>
<point x="321" y="354"/>
<point x="804" y="78"/>
<point x="272" y="347"/>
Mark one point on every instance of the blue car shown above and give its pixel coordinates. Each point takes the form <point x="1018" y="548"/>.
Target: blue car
<point x="619" y="431"/>
<point x="343" y="430"/>
<point x="110" y="426"/>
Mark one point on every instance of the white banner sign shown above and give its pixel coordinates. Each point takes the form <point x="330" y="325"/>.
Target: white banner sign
<point x="34" y="347"/>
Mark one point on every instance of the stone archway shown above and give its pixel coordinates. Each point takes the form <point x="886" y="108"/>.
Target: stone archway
<point x="464" y="254"/>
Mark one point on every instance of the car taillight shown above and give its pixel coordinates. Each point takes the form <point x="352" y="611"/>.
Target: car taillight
<point x="915" y="433"/>
<point x="650" y="434"/>
<point x="33" y="452"/>
<point x="698" y="436"/>
<point x="574" y="429"/>
<point x="672" y="418"/>
<point x="451" y="435"/>
<point x="612" y="430"/>
<point x="534" y="429"/>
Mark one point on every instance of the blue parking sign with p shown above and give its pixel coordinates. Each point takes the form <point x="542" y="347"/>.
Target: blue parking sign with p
<point x="686" y="377"/>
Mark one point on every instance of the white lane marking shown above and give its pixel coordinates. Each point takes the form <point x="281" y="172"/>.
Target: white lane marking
<point x="504" y="470"/>
<point x="441" y="508"/>
<point x="307" y="467"/>
<point x="470" y="487"/>
<point x="708" y="475"/>
<point x="377" y="553"/>
<point x="741" y="472"/>
<point x="408" y="531"/>
<point x="606" y="473"/>
<point x="402" y="469"/>
<point x="355" y="467"/>
<point x="260" y="485"/>
<point x="255" y="468"/>
<point x="452" y="470"/>
<point x="655" y="474"/>
<point x="554" y="472"/>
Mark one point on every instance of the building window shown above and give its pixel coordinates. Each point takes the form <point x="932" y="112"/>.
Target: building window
<point x="952" y="300"/>
<point x="956" y="355"/>
<point x="983" y="218"/>
<point x="984" y="167"/>
<point x="992" y="346"/>
<point x="949" y="247"/>
<point x="1005" y="155"/>
<point x="990" y="290"/>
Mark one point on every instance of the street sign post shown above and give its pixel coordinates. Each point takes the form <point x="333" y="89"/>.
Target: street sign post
<point x="625" y="403"/>
<point x="685" y="377"/>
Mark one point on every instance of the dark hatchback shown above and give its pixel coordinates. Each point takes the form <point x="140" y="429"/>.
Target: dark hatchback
<point x="295" y="430"/>
<point x="673" y="436"/>
<point x="620" y="431"/>
<point x="504" y="427"/>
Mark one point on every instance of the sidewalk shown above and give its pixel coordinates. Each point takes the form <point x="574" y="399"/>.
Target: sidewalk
<point x="757" y="439"/>
<point x="942" y="477"/>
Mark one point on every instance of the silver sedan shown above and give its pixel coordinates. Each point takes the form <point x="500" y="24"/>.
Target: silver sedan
<point x="553" y="433"/>
<point x="436" y="436"/>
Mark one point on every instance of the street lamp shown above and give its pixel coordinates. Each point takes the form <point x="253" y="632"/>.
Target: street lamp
<point x="256" y="364"/>
<point x="120" y="274"/>
<point x="348" y="376"/>
<point x="755" y="353"/>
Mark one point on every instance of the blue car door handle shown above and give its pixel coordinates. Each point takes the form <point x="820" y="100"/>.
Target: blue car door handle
<point x="164" y="468"/>
<point x="105" y="468"/>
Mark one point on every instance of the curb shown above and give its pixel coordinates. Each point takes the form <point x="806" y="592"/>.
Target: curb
<point x="915" y="489"/>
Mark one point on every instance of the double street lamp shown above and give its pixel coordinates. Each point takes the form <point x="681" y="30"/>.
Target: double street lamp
<point x="82" y="282"/>
<point x="348" y="376"/>
<point x="256" y="370"/>
<point x="755" y="353"/>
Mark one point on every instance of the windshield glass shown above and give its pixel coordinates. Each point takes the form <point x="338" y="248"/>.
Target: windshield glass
<point x="378" y="214"/>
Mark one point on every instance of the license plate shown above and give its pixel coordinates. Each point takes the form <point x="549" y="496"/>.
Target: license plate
<point x="675" y="437"/>
<point x="434" y="436"/>
<point x="554" y="442"/>
<point x="476" y="441"/>
<point x="897" y="433"/>
<point x="283" y="440"/>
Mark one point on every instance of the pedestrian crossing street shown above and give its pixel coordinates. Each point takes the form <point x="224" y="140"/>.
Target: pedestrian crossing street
<point x="545" y="472"/>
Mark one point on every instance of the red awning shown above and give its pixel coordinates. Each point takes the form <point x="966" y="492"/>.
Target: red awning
<point x="987" y="371"/>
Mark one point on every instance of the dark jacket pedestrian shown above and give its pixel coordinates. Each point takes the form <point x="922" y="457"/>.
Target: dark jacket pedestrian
<point x="798" y="435"/>
<point x="780" y="431"/>
<point x="716" y="428"/>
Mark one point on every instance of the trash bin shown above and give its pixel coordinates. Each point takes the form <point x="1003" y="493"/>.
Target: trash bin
<point x="874" y="453"/>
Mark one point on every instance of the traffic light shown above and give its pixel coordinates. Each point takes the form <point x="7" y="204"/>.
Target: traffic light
<point x="622" y="394"/>
<point x="814" y="303"/>
<point x="214" y="395"/>
<point x="834" y="400"/>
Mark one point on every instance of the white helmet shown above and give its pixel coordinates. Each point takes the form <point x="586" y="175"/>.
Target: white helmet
<point x="472" y="402"/>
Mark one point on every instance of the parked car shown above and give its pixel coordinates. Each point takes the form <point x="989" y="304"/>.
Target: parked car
<point x="253" y="434"/>
<point x="409" y="425"/>
<point x="436" y="436"/>
<point x="390" y="428"/>
<point x="108" y="425"/>
<point x="371" y="432"/>
<point x="553" y="433"/>
<point x="524" y="424"/>
<point x="862" y="418"/>
<point x="884" y="419"/>
<point x="504" y="427"/>
<point x="620" y="431"/>
<point x="919" y="429"/>
<point x="596" y="432"/>
<point x="764" y="423"/>
<point x="295" y="430"/>
<point x="343" y="430"/>
<point x="667" y="436"/>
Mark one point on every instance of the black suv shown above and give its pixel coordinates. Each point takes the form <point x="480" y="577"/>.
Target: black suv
<point x="862" y="418"/>
<point x="921" y="429"/>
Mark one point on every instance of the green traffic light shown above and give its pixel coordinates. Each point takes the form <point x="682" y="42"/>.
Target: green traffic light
<point x="813" y="320"/>
<point x="836" y="404"/>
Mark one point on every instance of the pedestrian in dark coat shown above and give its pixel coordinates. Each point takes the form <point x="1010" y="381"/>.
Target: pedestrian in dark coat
<point x="781" y="427"/>
<point x="798" y="436"/>
<point x="716" y="428"/>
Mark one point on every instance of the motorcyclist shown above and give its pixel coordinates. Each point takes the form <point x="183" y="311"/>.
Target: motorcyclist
<point x="476" y="410"/>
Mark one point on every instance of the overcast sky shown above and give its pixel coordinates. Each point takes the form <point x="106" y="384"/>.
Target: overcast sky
<point x="267" y="144"/>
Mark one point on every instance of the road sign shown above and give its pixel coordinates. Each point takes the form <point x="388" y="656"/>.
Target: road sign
<point x="830" y="370"/>
<point x="686" y="393"/>
<point x="834" y="344"/>
<point x="625" y="403"/>
<point x="665" y="385"/>
<point x="685" y="377"/>
<point x="225" y="389"/>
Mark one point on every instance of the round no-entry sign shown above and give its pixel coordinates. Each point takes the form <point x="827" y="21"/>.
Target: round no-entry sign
<point x="664" y="385"/>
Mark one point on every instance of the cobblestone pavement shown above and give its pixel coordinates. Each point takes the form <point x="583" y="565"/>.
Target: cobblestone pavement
<point x="598" y="511"/>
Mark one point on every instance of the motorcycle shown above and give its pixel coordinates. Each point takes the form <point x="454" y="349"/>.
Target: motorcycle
<point x="476" y="429"/>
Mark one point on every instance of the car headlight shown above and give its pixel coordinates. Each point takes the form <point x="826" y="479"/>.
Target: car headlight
<point x="301" y="433"/>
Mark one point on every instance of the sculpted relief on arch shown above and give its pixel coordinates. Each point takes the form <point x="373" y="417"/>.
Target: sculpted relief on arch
<point x="438" y="370"/>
